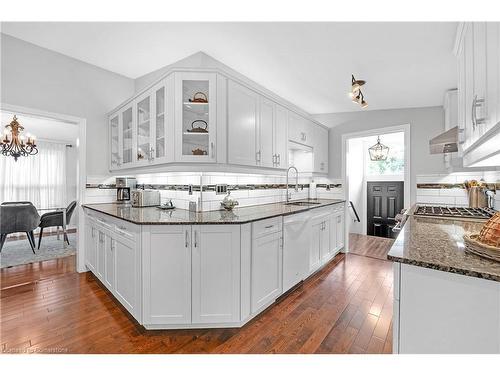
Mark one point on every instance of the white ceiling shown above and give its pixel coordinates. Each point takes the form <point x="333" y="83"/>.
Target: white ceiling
<point x="42" y="128"/>
<point x="309" y="64"/>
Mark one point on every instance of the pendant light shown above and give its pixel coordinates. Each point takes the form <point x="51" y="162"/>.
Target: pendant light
<point x="378" y="152"/>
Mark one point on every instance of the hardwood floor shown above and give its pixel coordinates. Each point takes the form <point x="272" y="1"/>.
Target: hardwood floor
<point x="344" y="308"/>
<point x="369" y="246"/>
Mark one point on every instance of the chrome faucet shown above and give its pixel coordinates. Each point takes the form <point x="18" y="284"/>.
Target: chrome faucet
<point x="296" y="182"/>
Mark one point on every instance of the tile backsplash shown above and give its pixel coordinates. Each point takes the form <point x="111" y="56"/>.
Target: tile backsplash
<point x="449" y="189"/>
<point x="248" y="189"/>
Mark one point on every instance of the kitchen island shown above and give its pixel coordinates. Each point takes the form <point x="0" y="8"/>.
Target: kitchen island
<point x="445" y="299"/>
<point x="179" y="269"/>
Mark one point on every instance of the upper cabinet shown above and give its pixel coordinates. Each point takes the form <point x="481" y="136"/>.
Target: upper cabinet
<point x="195" y="117"/>
<point x="188" y="115"/>
<point x="257" y="129"/>
<point x="478" y="51"/>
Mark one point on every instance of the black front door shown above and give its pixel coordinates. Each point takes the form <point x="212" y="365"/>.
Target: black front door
<point x="385" y="200"/>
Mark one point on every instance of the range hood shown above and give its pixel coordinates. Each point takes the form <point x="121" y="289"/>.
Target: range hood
<point x="445" y="142"/>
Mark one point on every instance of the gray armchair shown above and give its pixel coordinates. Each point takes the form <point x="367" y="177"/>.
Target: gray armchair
<point x="18" y="217"/>
<point x="55" y="219"/>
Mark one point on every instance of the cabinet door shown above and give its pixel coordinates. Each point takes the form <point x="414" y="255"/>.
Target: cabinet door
<point x="114" y="140"/>
<point x="479" y="43"/>
<point x="144" y="123"/>
<point x="298" y="129"/>
<point x="333" y="233"/>
<point x="325" y="249"/>
<point x="265" y="155"/>
<point x="195" y="117"/>
<point x="90" y="244"/>
<point x="281" y="137"/>
<point x="167" y="275"/>
<point x="320" y="149"/>
<point x="493" y="74"/>
<point x="127" y="275"/>
<point x="315" y="248"/>
<point x="242" y="116"/>
<point x="462" y="112"/>
<point x="468" y="46"/>
<point x="297" y="241"/>
<point x="340" y="230"/>
<point x="216" y="273"/>
<point x="266" y="284"/>
<point x="101" y="254"/>
<point x="162" y="130"/>
<point x="127" y="135"/>
<point x="109" y="262"/>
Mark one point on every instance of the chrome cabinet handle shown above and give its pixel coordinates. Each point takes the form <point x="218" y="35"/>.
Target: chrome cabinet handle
<point x="212" y="148"/>
<point x="268" y="226"/>
<point x="187" y="239"/>
<point x="195" y="239"/>
<point x="475" y="104"/>
<point x="257" y="156"/>
<point x="275" y="158"/>
<point x="279" y="159"/>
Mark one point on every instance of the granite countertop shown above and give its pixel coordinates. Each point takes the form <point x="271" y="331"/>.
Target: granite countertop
<point x="154" y="215"/>
<point x="438" y="243"/>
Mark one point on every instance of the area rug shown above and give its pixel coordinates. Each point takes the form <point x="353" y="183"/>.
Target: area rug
<point x="19" y="252"/>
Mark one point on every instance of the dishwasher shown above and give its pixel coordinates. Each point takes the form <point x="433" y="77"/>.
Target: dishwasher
<point x="296" y="243"/>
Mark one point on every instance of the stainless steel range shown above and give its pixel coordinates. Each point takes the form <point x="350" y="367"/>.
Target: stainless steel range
<point x="454" y="212"/>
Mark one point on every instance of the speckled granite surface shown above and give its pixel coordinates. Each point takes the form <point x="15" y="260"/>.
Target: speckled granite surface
<point x="153" y="215"/>
<point x="438" y="244"/>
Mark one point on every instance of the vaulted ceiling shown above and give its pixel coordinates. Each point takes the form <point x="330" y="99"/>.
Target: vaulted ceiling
<point x="309" y="64"/>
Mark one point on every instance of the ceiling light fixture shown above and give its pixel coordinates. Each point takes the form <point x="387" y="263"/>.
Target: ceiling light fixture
<point x="356" y="95"/>
<point x="378" y="152"/>
<point x="13" y="144"/>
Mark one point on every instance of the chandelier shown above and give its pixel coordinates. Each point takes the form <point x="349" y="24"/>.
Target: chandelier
<point x="356" y="95"/>
<point x="378" y="152"/>
<point x="14" y="145"/>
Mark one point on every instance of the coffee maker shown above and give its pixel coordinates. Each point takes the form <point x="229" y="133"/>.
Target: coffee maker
<point x="124" y="188"/>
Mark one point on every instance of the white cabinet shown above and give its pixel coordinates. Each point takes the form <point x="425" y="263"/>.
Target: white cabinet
<point x="127" y="135"/>
<point x="216" y="274"/>
<point x="166" y="262"/>
<point x="101" y="253"/>
<point x="195" y="117"/>
<point x="114" y="141"/>
<point x="298" y="129"/>
<point x="109" y="262"/>
<point x="280" y="137"/>
<point x="265" y="148"/>
<point x="242" y="119"/>
<point x="320" y="149"/>
<point x="340" y="229"/>
<point x="267" y="265"/>
<point x="90" y="243"/>
<point x="478" y="90"/>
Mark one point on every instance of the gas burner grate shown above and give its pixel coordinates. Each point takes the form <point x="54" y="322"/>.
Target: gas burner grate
<point x="446" y="211"/>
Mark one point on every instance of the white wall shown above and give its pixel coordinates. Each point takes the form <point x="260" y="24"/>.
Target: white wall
<point x="38" y="78"/>
<point x="425" y="123"/>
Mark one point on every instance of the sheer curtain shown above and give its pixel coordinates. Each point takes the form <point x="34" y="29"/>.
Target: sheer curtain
<point x="40" y="179"/>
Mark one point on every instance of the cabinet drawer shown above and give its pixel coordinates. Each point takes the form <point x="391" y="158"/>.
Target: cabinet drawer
<point x="263" y="227"/>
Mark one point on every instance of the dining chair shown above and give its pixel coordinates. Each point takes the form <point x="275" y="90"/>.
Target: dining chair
<point x="55" y="219"/>
<point x="18" y="217"/>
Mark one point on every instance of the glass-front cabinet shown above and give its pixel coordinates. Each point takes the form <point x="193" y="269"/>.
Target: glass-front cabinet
<point x="127" y="135"/>
<point x="114" y="137"/>
<point x="143" y="148"/>
<point x="195" y="117"/>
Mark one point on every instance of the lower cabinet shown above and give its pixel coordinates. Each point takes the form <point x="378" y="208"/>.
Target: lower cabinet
<point x="296" y="243"/>
<point x="90" y="244"/>
<point x="319" y="250"/>
<point x="216" y="273"/>
<point x="338" y="219"/>
<point x="266" y="271"/>
<point x="127" y="274"/>
<point x="191" y="274"/>
<point x="166" y="262"/>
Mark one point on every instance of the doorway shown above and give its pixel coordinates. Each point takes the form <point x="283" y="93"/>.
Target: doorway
<point x="50" y="182"/>
<point x="375" y="189"/>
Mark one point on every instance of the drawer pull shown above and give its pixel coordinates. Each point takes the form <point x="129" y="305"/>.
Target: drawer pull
<point x="268" y="226"/>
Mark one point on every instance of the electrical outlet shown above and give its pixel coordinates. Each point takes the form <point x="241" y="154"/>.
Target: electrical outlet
<point x="221" y="189"/>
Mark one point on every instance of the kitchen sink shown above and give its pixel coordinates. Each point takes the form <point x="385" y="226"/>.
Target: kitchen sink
<point x="302" y="203"/>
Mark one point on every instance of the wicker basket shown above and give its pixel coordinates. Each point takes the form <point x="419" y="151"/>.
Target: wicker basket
<point x="487" y="243"/>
